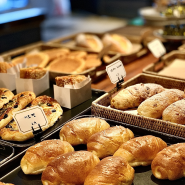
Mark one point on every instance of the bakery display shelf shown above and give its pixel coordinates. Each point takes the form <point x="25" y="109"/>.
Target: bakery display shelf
<point x="101" y="106"/>
<point x="164" y="62"/>
<point x="143" y="174"/>
<point x="137" y="51"/>
<point x="95" y="73"/>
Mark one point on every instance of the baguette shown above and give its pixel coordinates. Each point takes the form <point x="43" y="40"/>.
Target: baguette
<point x="79" y="131"/>
<point x="70" y="168"/>
<point x="38" y="156"/>
<point x="134" y="95"/>
<point x="170" y="163"/>
<point x="175" y="112"/>
<point x="141" y="150"/>
<point x="153" y="107"/>
<point x="111" y="171"/>
<point x="106" y="142"/>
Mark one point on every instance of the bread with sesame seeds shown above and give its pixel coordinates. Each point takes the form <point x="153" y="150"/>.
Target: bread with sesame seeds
<point x="134" y="95"/>
<point x="140" y="151"/>
<point x="111" y="171"/>
<point x="38" y="156"/>
<point x="70" y="168"/>
<point x="106" y="142"/>
<point x="79" y="131"/>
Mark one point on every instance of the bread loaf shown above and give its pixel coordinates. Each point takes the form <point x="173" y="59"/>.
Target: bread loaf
<point x="38" y="156"/>
<point x="5" y="96"/>
<point x="79" y="131"/>
<point x="141" y="150"/>
<point x="4" y="66"/>
<point x="111" y="171"/>
<point x="170" y="162"/>
<point x="153" y="107"/>
<point x="2" y="183"/>
<point x="106" y="142"/>
<point x="70" y="168"/>
<point x="132" y="96"/>
<point x="175" y="112"/>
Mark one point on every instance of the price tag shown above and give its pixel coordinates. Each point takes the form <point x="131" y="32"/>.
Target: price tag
<point x="116" y="71"/>
<point x="30" y="117"/>
<point x="157" y="48"/>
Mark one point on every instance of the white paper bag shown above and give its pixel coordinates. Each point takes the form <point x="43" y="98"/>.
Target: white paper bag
<point x="35" y="85"/>
<point x="7" y="81"/>
<point x="70" y="97"/>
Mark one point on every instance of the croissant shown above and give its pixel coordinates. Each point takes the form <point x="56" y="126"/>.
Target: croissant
<point x="38" y="156"/>
<point x="154" y="106"/>
<point x="132" y="96"/>
<point x="111" y="171"/>
<point x="70" y="168"/>
<point x="106" y="142"/>
<point x="79" y="131"/>
<point x="141" y="150"/>
<point x="170" y="162"/>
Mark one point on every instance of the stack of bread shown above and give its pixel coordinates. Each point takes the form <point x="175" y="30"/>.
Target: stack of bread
<point x="152" y="100"/>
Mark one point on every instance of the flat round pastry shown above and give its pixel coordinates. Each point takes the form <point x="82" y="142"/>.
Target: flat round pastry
<point x="89" y="41"/>
<point x="38" y="156"/>
<point x="40" y="59"/>
<point x="118" y="43"/>
<point x="80" y="54"/>
<point x="67" y="65"/>
<point x="55" y="53"/>
<point x="52" y="110"/>
<point x="5" y="96"/>
<point x="18" y="102"/>
<point x="92" y="60"/>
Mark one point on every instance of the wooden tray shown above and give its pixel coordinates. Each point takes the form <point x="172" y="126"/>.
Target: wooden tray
<point x="138" y="49"/>
<point x="165" y="61"/>
<point x="100" y="107"/>
<point x="95" y="73"/>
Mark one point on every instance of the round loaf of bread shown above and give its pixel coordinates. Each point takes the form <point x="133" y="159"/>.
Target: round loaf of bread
<point x="175" y="112"/>
<point x="111" y="170"/>
<point x="106" y="142"/>
<point x="154" y="106"/>
<point x="80" y="130"/>
<point x="38" y="156"/>
<point x="70" y="168"/>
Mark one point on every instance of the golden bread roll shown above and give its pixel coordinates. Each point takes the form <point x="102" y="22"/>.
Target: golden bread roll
<point x="5" y="96"/>
<point x="80" y="130"/>
<point x="67" y="65"/>
<point x="111" y="171"/>
<point x="134" y="95"/>
<point x="79" y="54"/>
<point x="118" y="43"/>
<point x="89" y="41"/>
<point x="70" y="168"/>
<point x="55" y="53"/>
<point x="4" y="66"/>
<point x="106" y="142"/>
<point x="141" y="150"/>
<point x="170" y="162"/>
<point x="32" y="73"/>
<point x="92" y="60"/>
<point x="40" y="59"/>
<point x="61" y="81"/>
<point x="154" y="106"/>
<point x="175" y="112"/>
<point x="38" y="156"/>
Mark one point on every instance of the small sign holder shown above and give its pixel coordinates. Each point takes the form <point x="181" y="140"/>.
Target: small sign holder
<point x="37" y="133"/>
<point x="119" y="83"/>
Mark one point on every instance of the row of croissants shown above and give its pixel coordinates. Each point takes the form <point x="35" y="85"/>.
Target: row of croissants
<point x="111" y="155"/>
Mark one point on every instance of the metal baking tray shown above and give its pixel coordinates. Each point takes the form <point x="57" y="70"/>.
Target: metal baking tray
<point x="143" y="174"/>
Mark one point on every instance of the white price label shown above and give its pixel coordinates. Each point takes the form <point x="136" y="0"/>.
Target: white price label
<point x="116" y="71"/>
<point x="157" y="48"/>
<point x="30" y="118"/>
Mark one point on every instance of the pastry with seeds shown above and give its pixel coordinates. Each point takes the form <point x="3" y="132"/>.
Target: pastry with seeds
<point x="52" y="110"/>
<point x="5" y="96"/>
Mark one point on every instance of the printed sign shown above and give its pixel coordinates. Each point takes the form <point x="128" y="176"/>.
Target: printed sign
<point x="116" y="71"/>
<point x="157" y="48"/>
<point x="30" y="118"/>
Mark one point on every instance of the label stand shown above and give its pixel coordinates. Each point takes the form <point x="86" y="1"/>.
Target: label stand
<point x="37" y="134"/>
<point x="120" y="81"/>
